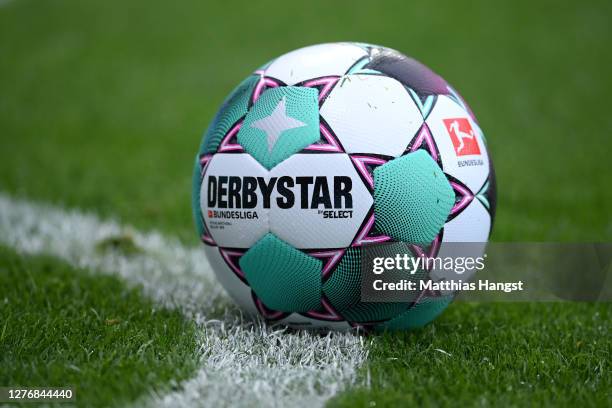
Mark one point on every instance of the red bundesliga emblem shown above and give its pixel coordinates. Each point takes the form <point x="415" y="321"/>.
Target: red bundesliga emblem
<point x="210" y="214"/>
<point x="462" y="135"/>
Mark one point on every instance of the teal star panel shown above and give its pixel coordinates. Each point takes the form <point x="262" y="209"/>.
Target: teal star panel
<point x="282" y="122"/>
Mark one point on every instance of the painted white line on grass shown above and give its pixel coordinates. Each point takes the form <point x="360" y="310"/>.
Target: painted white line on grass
<point x="243" y="363"/>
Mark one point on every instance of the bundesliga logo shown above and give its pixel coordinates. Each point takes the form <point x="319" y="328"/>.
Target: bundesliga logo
<point x="462" y="136"/>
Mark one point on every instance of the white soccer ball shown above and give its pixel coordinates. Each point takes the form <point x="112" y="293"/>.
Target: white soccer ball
<point x="322" y="152"/>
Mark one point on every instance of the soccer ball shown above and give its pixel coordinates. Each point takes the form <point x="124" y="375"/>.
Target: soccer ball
<point x="322" y="152"/>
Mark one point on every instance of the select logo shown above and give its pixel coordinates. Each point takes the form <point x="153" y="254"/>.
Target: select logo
<point x="463" y="136"/>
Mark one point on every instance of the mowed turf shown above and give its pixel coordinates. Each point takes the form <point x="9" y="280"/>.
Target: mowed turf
<point x="65" y="327"/>
<point x="102" y="106"/>
<point x="494" y="355"/>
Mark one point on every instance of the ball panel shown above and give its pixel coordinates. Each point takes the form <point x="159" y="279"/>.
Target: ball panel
<point x="237" y="290"/>
<point x="284" y="278"/>
<point x="233" y="108"/>
<point x="227" y="216"/>
<point x="366" y="312"/>
<point x="282" y="122"/>
<point x="314" y="62"/>
<point x="412" y="198"/>
<point x="466" y="235"/>
<point x="471" y="225"/>
<point x="326" y="213"/>
<point x="490" y="192"/>
<point x="372" y="114"/>
<point x="343" y="288"/>
<point x="406" y="70"/>
<point x="196" y="180"/>
<point x="462" y="148"/>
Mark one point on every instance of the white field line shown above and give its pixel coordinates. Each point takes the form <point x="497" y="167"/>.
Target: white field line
<point x="243" y="363"/>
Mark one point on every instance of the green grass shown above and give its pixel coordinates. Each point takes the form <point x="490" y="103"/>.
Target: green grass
<point x="61" y="326"/>
<point x="494" y="355"/>
<point x="102" y="106"/>
<point x="108" y="100"/>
